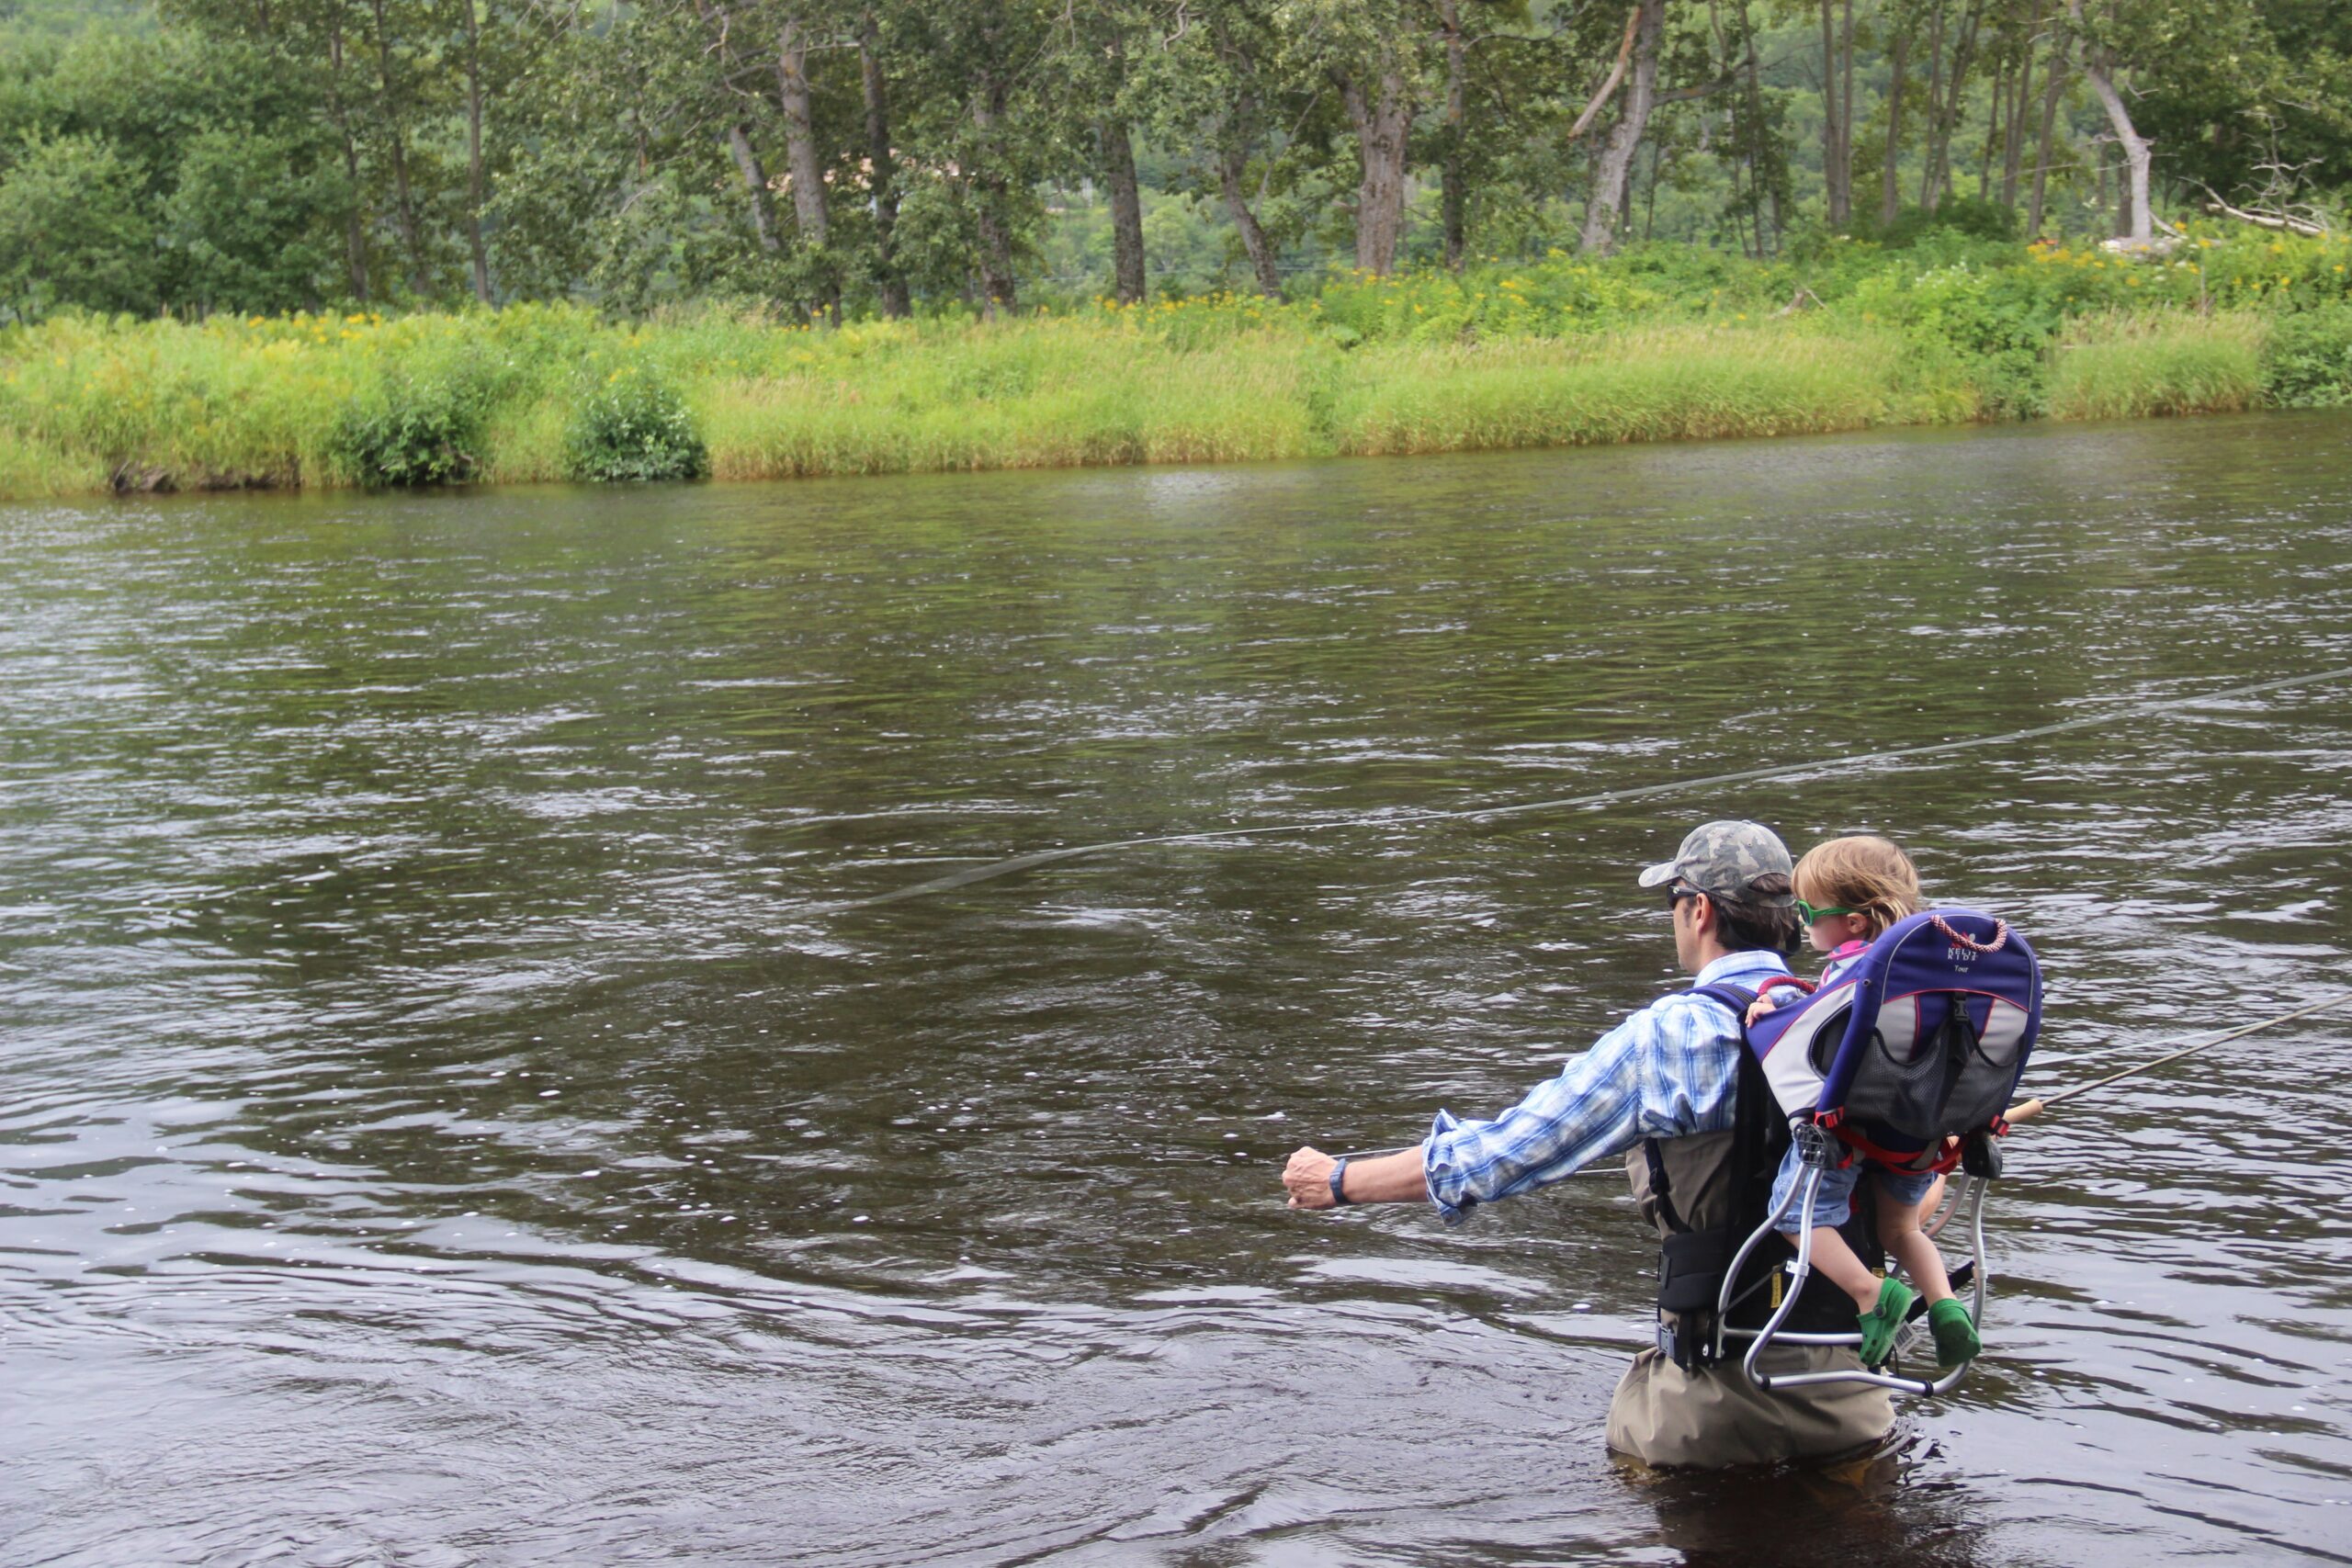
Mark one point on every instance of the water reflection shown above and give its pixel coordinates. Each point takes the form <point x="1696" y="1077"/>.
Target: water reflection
<point x="1878" y="1508"/>
<point x="448" y="1065"/>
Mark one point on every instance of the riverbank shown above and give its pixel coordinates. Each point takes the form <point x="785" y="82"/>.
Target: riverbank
<point x="1652" y="346"/>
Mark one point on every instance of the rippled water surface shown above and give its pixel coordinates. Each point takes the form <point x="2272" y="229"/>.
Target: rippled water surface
<point x="459" y="1103"/>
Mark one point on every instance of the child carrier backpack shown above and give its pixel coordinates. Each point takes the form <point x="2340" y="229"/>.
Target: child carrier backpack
<point x="1906" y="1060"/>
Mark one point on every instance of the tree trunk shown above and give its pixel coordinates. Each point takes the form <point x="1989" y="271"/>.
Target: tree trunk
<point x="1998" y="103"/>
<point x="1836" y="173"/>
<point x="1617" y="73"/>
<point x="882" y="172"/>
<point x="755" y="186"/>
<point x="1972" y="36"/>
<point x="2137" y="226"/>
<point x="993" y="193"/>
<point x="2054" y="89"/>
<point x="1117" y="142"/>
<point x="1890" y="188"/>
<point x="1935" y="101"/>
<point x="1963" y="57"/>
<point x="1616" y="161"/>
<point x="1452" y="196"/>
<point x="2013" y="149"/>
<point x="419" y="280"/>
<point x="474" y="193"/>
<point x="355" y="230"/>
<point x="800" y="162"/>
<point x="805" y="172"/>
<point x="1740" y="196"/>
<point x="1766" y="190"/>
<point x="1381" y="124"/>
<point x="1846" y="111"/>
<point x="1232" y="160"/>
<point x="1649" y="199"/>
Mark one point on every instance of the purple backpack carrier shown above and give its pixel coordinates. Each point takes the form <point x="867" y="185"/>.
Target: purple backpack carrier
<point x="1908" y="1059"/>
<point x="1921" y="1041"/>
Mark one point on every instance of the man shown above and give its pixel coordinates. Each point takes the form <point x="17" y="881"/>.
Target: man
<point x="1672" y="1087"/>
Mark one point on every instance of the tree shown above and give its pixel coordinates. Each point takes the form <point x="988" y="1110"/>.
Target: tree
<point x="1604" y="207"/>
<point x="73" y="230"/>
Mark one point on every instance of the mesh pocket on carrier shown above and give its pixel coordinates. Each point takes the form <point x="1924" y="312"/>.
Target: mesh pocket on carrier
<point x="1939" y="1079"/>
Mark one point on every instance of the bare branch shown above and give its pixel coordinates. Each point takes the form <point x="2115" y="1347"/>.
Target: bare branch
<point x="1616" y="75"/>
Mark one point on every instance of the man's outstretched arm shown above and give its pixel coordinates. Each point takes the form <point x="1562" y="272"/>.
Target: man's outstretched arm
<point x="1399" y="1178"/>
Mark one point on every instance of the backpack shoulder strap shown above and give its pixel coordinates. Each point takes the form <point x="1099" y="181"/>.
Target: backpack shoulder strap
<point x="1738" y="998"/>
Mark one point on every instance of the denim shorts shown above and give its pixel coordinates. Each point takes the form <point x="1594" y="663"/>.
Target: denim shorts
<point x="1835" y="1198"/>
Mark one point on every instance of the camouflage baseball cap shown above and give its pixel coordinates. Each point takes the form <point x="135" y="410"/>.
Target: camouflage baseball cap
<point x="1725" y="858"/>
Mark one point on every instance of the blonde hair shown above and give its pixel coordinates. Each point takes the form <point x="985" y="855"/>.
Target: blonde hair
<point x="1868" y="874"/>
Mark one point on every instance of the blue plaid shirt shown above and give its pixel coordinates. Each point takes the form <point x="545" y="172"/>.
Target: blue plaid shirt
<point x="1671" y="1070"/>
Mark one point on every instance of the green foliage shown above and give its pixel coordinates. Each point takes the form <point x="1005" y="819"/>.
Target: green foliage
<point x="1964" y="215"/>
<point x="2307" y="359"/>
<point x="251" y="220"/>
<point x="632" y="426"/>
<point x="73" y="231"/>
<point x="412" y="430"/>
<point x="1660" y="342"/>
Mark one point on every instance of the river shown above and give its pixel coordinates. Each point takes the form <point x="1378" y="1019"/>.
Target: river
<point x="461" y="1102"/>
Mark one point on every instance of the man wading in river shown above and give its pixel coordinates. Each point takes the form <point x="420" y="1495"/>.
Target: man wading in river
<point x="1671" y="1088"/>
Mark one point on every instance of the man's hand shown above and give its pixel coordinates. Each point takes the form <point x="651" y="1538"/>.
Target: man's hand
<point x="1308" y="1179"/>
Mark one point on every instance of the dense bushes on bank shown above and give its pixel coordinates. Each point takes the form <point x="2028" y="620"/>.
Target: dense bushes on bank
<point x="1663" y="343"/>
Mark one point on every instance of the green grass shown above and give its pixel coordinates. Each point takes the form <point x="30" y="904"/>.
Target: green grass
<point x="1663" y="384"/>
<point x="1658" y="345"/>
<point x="2145" y="367"/>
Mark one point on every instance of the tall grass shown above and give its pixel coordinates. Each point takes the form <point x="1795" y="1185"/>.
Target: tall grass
<point x="1664" y="345"/>
<point x="2144" y="365"/>
<point x="1036" y="394"/>
<point x="1665" y="384"/>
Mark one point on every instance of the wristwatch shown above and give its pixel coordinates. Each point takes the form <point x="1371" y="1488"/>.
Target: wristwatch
<point x="1339" y="1176"/>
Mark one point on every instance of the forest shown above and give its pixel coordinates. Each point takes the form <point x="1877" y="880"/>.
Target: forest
<point x="386" y="243"/>
<point x="902" y="157"/>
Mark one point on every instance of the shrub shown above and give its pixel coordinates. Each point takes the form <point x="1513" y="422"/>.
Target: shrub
<point x="412" y="431"/>
<point x="1962" y="215"/>
<point x="2307" y="360"/>
<point x="634" y="427"/>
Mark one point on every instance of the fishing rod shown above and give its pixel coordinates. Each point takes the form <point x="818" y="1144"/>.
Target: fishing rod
<point x="2028" y="1109"/>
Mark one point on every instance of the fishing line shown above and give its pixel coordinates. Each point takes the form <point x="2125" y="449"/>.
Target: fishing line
<point x="2032" y="1108"/>
<point x="994" y="869"/>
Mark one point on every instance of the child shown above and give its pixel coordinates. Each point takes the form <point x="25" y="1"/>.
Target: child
<point x="1849" y="890"/>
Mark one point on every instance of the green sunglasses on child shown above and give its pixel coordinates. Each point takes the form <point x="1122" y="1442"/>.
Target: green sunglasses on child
<point x="1808" y="914"/>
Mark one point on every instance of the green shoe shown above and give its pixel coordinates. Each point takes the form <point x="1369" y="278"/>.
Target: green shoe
<point x="1956" y="1341"/>
<point x="1880" y="1325"/>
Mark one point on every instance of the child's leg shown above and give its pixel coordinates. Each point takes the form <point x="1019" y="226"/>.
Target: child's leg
<point x="1903" y="1206"/>
<point x="1898" y="1227"/>
<point x="1831" y="1257"/>
<point x="1837" y="1263"/>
